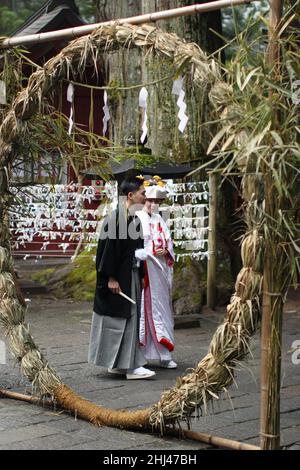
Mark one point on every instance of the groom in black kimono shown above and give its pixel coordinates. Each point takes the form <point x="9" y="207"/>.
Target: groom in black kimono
<point x="114" y="341"/>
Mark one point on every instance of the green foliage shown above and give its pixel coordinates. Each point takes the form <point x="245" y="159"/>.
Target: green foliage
<point x="15" y="13"/>
<point x="241" y="19"/>
<point x="87" y="10"/>
<point x="11" y="74"/>
<point x="259" y="135"/>
<point x="12" y="16"/>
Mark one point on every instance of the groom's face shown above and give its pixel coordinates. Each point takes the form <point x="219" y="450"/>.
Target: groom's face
<point x="137" y="198"/>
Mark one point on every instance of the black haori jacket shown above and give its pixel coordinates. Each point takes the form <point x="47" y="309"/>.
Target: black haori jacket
<point x="117" y="244"/>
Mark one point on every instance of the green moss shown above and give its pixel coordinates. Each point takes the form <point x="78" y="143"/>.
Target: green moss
<point x="81" y="281"/>
<point x="178" y="294"/>
<point x="43" y="276"/>
<point x="82" y="294"/>
<point x="197" y="297"/>
<point x="114" y="92"/>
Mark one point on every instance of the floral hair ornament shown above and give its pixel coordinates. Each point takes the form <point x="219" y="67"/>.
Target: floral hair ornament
<point x="157" y="179"/>
<point x="140" y="177"/>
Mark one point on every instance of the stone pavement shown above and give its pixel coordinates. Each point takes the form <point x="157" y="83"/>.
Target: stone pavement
<point x="61" y="329"/>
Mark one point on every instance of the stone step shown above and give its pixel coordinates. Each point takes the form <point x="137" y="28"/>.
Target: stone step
<point x="31" y="288"/>
<point x="187" y="321"/>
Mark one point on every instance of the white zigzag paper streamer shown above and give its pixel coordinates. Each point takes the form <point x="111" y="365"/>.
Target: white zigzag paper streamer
<point x="106" y="117"/>
<point x="2" y="92"/>
<point x="143" y="104"/>
<point x="178" y="90"/>
<point x="70" y="98"/>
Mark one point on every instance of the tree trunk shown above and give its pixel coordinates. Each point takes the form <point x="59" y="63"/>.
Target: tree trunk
<point x="164" y="136"/>
<point x="193" y="28"/>
<point x="123" y="68"/>
<point x="164" y="139"/>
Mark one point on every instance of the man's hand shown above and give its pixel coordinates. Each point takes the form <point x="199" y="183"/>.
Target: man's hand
<point x="114" y="286"/>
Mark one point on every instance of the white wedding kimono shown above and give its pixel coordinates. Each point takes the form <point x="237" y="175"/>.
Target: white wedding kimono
<point x="157" y="324"/>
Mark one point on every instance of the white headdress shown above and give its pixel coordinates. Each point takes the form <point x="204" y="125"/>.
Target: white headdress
<point x="155" y="192"/>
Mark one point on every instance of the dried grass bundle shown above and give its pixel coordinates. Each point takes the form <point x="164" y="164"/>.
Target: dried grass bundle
<point x="5" y="259"/>
<point x="32" y="363"/>
<point x="248" y="284"/>
<point x="252" y="251"/>
<point x="165" y="45"/>
<point x="244" y="313"/>
<point x="11" y="312"/>
<point x="220" y="92"/>
<point x="9" y="129"/>
<point x="45" y="380"/>
<point x="191" y="392"/>
<point x="230" y="342"/>
<point x="7" y="285"/>
<point x="254" y="215"/>
<point x="6" y="149"/>
<point x="20" y="341"/>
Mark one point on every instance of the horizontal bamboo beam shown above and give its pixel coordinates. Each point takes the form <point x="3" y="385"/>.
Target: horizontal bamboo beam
<point x="70" y="33"/>
<point x="26" y="398"/>
<point x="218" y="441"/>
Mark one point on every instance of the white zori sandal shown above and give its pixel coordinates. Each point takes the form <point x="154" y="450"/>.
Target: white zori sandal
<point x="139" y="373"/>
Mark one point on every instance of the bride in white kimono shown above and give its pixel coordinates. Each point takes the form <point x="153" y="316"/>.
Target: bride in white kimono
<point x="156" y="323"/>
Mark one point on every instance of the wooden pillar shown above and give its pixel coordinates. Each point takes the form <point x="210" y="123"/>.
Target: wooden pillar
<point x="271" y="330"/>
<point x="212" y="242"/>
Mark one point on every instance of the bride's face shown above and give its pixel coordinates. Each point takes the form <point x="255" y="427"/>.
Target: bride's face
<point x="151" y="205"/>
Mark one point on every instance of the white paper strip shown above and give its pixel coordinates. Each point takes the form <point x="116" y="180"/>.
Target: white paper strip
<point x="177" y="86"/>
<point x="143" y="104"/>
<point x="2" y="92"/>
<point x="70" y="98"/>
<point x="106" y="116"/>
<point x="55" y="215"/>
<point x="178" y="90"/>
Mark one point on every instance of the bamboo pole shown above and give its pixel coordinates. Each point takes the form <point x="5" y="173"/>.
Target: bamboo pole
<point x="212" y="242"/>
<point x="218" y="441"/>
<point x="25" y="398"/>
<point x="271" y="329"/>
<point x="71" y="33"/>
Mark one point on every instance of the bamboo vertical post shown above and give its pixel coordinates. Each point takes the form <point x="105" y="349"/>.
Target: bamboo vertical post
<point x="212" y="242"/>
<point x="271" y="330"/>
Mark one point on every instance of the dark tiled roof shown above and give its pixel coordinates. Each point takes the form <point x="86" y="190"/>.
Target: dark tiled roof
<point x="165" y="169"/>
<point x="52" y="15"/>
